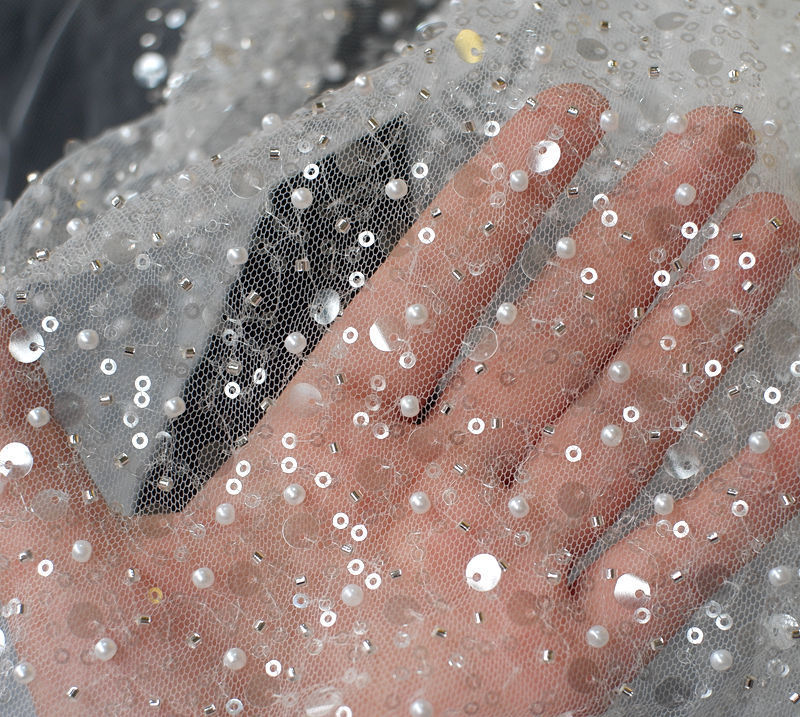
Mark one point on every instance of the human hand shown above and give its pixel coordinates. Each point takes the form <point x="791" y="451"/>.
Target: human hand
<point x="519" y="462"/>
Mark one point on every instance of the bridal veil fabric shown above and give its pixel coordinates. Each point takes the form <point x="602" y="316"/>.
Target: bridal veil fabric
<point x="469" y="387"/>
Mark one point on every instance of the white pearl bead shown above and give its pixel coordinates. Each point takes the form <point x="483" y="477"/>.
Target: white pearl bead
<point x="676" y="124"/>
<point x="409" y="406"/>
<point x="596" y="636"/>
<point x="294" y="494"/>
<point x="416" y="314"/>
<point x="758" y="442"/>
<point x="38" y="416"/>
<point x="302" y="198"/>
<point x="420" y="708"/>
<point x="609" y="121"/>
<point x="506" y="313"/>
<point x="619" y="371"/>
<point x="363" y="84"/>
<point x="237" y="255"/>
<point x="105" y="648"/>
<point x="271" y="122"/>
<point x="681" y="315"/>
<point x="663" y="504"/>
<point x="542" y="53"/>
<point x="396" y="188"/>
<point x="234" y="659"/>
<point x="23" y="672"/>
<point x="419" y="502"/>
<point x="565" y="248"/>
<point x="225" y="513"/>
<point x="295" y="343"/>
<point x="611" y="435"/>
<point x="721" y="660"/>
<point x="81" y="551"/>
<point x="203" y="578"/>
<point x="780" y="575"/>
<point x="174" y="407"/>
<point x="518" y="506"/>
<point x="87" y="339"/>
<point x="685" y="194"/>
<point x="41" y="227"/>
<point x="352" y="595"/>
<point x="518" y="180"/>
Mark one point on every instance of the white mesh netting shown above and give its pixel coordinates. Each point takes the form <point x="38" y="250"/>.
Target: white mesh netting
<point x="468" y="388"/>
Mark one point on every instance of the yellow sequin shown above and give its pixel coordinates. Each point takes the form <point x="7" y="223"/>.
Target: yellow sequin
<point x="469" y="46"/>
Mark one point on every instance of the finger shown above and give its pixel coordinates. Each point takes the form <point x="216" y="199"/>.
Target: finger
<point x="450" y="261"/>
<point x="613" y="440"/>
<point x="575" y="315"/>
<point x="738" y="508"/>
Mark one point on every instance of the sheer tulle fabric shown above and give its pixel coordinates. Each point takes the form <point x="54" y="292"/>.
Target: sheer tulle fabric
<point x="468" y="388"/>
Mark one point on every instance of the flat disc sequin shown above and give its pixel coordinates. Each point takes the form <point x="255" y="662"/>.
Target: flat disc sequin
<point x="483" y="572"/>
<point x="16" y="460"/>
<point x="26" y="346"/>
<point x="544" y="156"/>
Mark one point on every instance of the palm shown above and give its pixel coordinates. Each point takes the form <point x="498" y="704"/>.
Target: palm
<point x="440" y="620"/>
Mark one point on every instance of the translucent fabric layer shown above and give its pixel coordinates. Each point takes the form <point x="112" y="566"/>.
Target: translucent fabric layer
<point x="469" y="387"/>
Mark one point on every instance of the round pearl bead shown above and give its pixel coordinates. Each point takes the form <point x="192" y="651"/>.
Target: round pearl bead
<point x="352" y="595"/>
<point x="87" y="339"/>
<point x="685" y="194"/>
<point x="302" y="198"/>
<point x="225" y="513"/>
<point x="105" y="648"/>
<point x="758" y="442"/>
<point x="234" y="659"/>
<point x="396" y="188"/>
<point x="565" y="248"/>
<point x="663" y="504"/>
<point x="506" y="313"/>
<point x="174" y="407"/>
<point x="420" y="708"/>
<point x="295" y="343"/>
<point x="409" y="406"/>
<point x="542" y="53"/>
<point x="203" y="578"/>
<point x="81" y="551"/>
<point x="780" y="575"/>
<point x="237" y="255"/>
<point x="518" y="180"/>
<point x="41" y="227"/>
<point x="681" y="315"/>
<point x="363" y="84"/>
<point x="518" y="506"/>
<point x="676" y="124"/>
<point x="38" y="416"/>
<point x="619" y="372"/>
<point x="294" y="494"/>
<point x="597" y="636"/>
<point x="721" y="660"/>
<point x="611" y="435"/>
<point x="23" y="672"/>
<point x="419" y="502"/>
<point x="271" y="122"/>
<point x="416" y="314"/>
<point x="609" y="121"/>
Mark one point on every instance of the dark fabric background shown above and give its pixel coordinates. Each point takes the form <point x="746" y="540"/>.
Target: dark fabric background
<point x="66" y="72"/>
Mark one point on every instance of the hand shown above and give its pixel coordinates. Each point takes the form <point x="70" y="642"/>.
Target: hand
<point x="378" y="557"/>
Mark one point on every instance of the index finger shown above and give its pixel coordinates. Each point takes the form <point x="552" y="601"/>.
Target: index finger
<point x="456" y="254"/>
